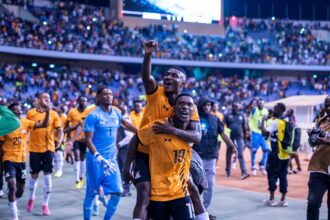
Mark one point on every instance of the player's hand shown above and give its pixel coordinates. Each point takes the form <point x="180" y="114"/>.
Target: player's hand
<point x="235" y="152"/>
<point x="149" y="46"/>
<point x="108" y="167"/>
<point x="163" y="127"/>
<point x="127" y="175"/>
<point x="68" y="147"/>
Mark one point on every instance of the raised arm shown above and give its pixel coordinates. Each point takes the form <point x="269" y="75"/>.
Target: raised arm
<point x="150" y="84"/>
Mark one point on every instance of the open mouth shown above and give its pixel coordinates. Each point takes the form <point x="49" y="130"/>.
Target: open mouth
<point x="167" y="83"/>
<point x="185" y="114"/>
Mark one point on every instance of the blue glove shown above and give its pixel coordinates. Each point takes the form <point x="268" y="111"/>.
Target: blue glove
<point x="108" y="167"/>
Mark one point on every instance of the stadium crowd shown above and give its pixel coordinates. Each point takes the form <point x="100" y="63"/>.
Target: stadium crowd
<point x="21" y="82"/>
<point x="74" y="27"/>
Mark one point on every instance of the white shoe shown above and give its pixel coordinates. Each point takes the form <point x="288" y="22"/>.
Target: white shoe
<point x="1" y="193"/>
<point x="268" y="202"/>
<point x="283" y="203"/>
<point x="264" y="172"/>
<point x="254" y="172"/>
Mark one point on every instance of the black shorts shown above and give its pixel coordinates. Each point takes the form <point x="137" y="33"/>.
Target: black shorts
<point x="80" y="145"/>
<point x="178" y="209"/>
<point x="141" y="168"/>
<point x="15" y="170"/>
<point x="41" y="162"/>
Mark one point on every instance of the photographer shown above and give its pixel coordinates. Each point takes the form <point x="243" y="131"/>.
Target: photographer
<point x="319" y="165"/>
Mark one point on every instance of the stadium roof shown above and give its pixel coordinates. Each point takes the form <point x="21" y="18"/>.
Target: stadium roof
<point x="301" y="100"/>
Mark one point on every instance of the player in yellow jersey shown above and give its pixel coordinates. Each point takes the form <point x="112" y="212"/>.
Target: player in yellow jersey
<point x="14" y="156"/>
<point x="169" y="159"/>
<point x="160" y="101"/>
<point x="74" y="119"/>
<point x="42" y="148"/>
<point x="137" y="113"/>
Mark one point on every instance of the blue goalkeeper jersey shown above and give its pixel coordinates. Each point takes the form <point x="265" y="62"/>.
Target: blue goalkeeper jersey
<point x="104" y="125"/>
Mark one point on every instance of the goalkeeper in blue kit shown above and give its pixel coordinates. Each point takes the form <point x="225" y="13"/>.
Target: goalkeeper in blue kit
<point x="101" y="160"/>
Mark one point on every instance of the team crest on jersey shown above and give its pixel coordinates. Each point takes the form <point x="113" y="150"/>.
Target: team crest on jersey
<point x="240" y="118"/>
<point x="23" y="131"/>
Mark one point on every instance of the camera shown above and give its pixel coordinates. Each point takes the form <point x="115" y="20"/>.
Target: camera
<point x="314" y="135"/>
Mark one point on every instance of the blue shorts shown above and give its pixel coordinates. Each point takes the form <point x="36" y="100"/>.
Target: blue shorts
<point x="96" y="178"/>
<point x="257" y="141"/>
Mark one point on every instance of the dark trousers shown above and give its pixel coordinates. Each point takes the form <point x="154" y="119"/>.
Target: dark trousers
<point x="277" y="169"/>
<point x="318" y="184"/>
<point x="121" y="163"/>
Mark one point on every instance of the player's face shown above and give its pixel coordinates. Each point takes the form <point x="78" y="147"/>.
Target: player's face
<point x="184" y="108"/>
<point x="173" y="80"/>
<point x="137" y="107"/>
<point x="215" y="107"/>
<point x="17" y="109"/>
<point x="207" y="108"/>
<point x="327" y="106"/>
<point x="106" y="97"/>
<point x="82" y="102"/>
<point x="44" y="100"/>
<point x="235" y="107"/>
<point x="260" y="104"/>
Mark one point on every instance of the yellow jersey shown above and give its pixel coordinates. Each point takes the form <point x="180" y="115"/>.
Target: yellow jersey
<point x="169" y="162"/>
<point x="136" y="118"/>
<point x="42" y="139"/>
<point x="157" y="108"/>
<point x="14" y="146"/>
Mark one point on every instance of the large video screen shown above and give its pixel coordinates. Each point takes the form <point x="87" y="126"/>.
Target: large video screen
<point x="200" y="11"/>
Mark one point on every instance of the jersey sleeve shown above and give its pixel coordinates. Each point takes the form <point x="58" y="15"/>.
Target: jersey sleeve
<point x="120" y="117"/>
<point x="195" y="116"/>
<point x="146" y="134"/>
<point x="2" y="138"/>
<point x="30" y="124"/>
<point x="57" y="120"/>
<point x="151" y="98"/>
<point x="28" y="115"/>
<point x="89" y="125"/>
<point x="69" y="118"/>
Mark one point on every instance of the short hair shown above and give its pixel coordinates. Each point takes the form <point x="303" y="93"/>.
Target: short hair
<point x="185" y="93"/>
<point x="81" y="96"/>
<point x="100" y="89"/>
<point x="12" y="105"/>
<point x="181" y="70"/>
<point x="281" y="106"/>
<point x="40" y="93"/>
